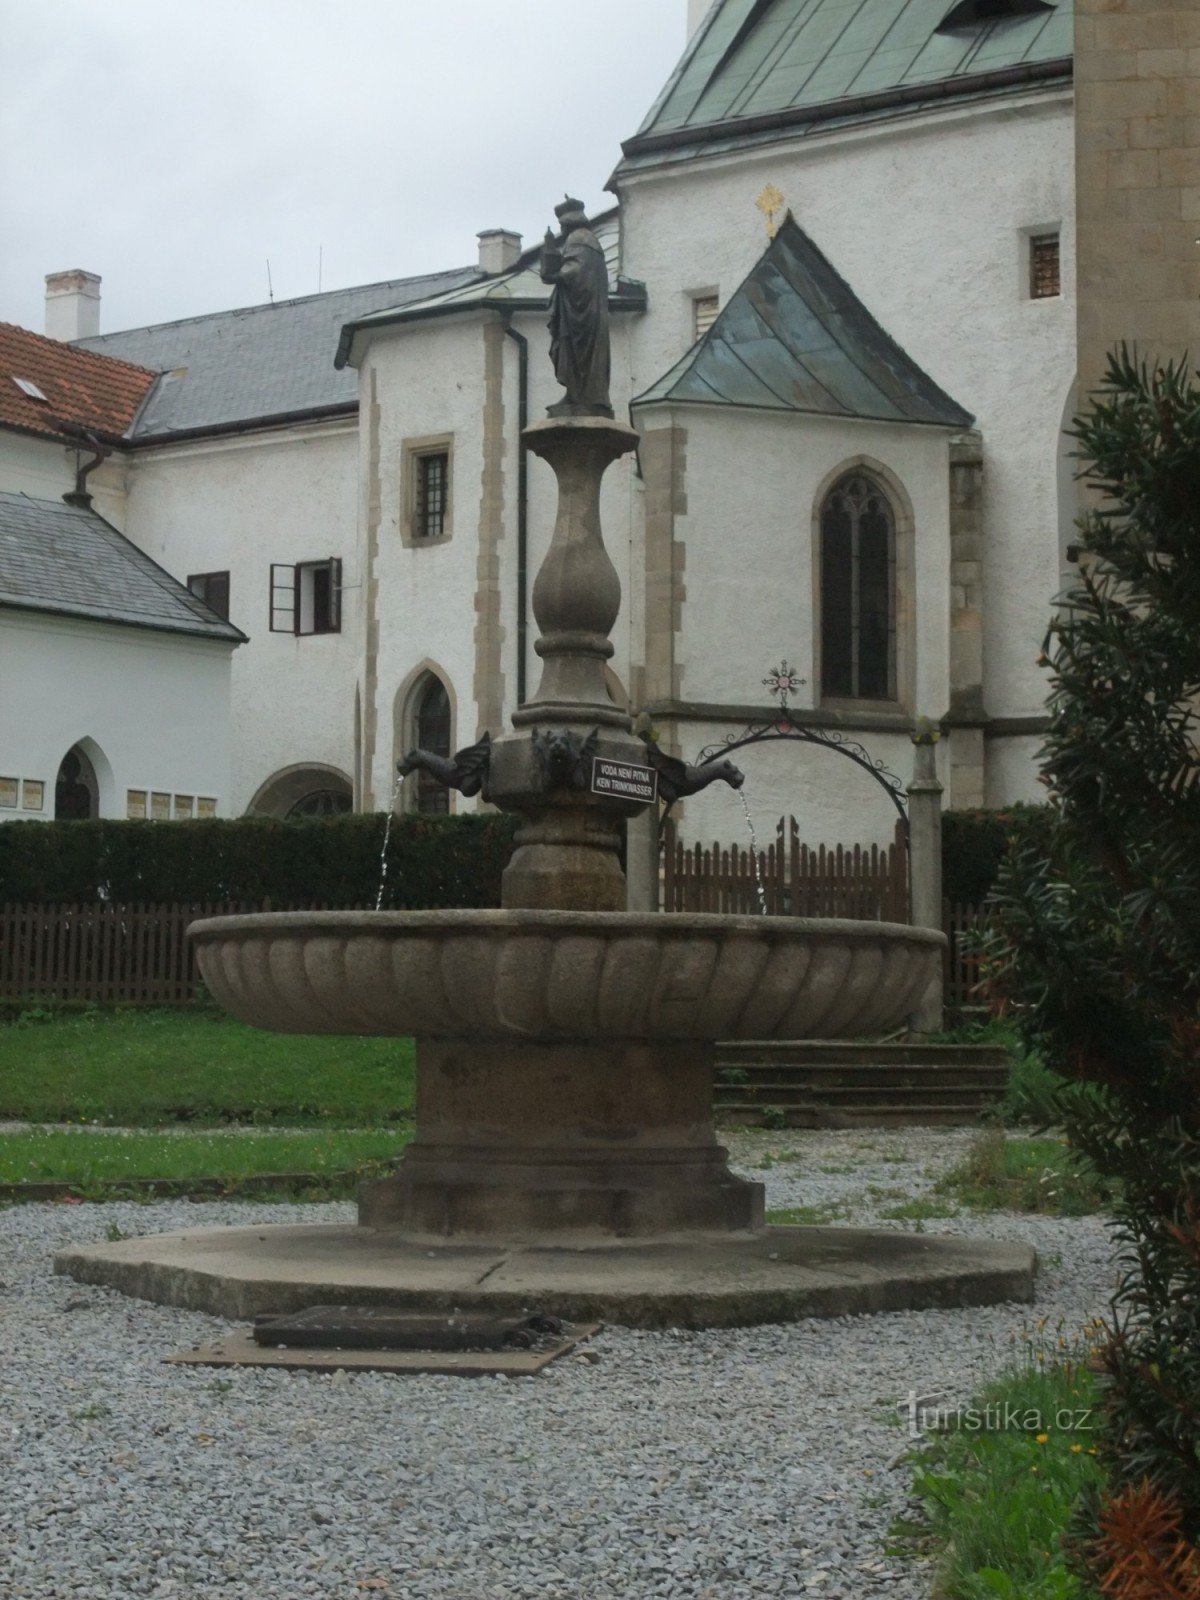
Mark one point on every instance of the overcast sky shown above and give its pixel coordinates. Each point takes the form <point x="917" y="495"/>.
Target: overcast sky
<point x="174" y="145"/>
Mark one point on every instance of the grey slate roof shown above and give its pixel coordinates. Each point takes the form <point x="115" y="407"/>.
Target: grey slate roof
<point x="757" y="61"/>
<point x="795" y="337"/>
<point x="61" y="558"/>
<point x="518" y="289"/>
<point x="268" y="361"/>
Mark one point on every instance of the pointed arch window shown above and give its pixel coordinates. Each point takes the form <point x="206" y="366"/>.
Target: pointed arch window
<point x="858" y="591"/>
<point x="431" y="730"/>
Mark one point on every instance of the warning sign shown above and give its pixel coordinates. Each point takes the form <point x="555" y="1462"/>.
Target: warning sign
<point x="623" y="779"/>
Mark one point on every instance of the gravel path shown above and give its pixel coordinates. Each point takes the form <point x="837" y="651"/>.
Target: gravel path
<point x="727" y="1465"/>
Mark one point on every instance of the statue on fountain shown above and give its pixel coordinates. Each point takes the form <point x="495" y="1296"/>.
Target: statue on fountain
<point x="574" y="264"/>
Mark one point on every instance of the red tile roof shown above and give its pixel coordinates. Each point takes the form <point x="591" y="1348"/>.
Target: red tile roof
<point x="82" y="388"/>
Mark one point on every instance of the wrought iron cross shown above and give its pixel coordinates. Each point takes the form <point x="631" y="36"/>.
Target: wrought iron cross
<point x="782" y="681"/>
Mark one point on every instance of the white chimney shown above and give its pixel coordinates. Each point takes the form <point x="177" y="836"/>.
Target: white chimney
<point x="72" y="304"/>
<point x="499" y="249"/>
<point x="697" y="10"/>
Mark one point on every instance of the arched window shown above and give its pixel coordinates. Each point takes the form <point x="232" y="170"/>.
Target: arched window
<point x="322" y="803"/>
<point x="431" y="731"/>
<point x="305" y="790"/>
<point x="76" y="791"/>
<point x="858" y="591"/>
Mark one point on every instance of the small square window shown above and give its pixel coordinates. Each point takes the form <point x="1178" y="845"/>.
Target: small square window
<point x="705" y="309"/>
<point x="433" y="495"/>
<point x="1045" y="276"/>
<point x="213" y="589"/>
<point x="427" y="489"/>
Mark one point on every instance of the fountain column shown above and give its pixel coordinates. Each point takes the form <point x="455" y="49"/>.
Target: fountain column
<point x="567" y="854"/>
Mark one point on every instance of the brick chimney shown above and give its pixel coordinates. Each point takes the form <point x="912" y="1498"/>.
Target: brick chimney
<point x="499" y="249"/>
<point x="72" y="304"/>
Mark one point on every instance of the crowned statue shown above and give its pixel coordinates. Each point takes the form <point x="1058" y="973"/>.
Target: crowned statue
<point x="573" y="262"/>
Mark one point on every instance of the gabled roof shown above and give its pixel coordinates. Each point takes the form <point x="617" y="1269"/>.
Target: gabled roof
<point x="64" y="559"/>
<point x="262" y="364"/>
<point x="795" y="337"/>
<point x="755" y="67"/>
<point x="82" y="390"/>
<point x="518" y="289"/>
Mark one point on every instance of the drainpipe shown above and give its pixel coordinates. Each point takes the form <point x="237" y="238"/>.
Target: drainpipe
<point x="79" y="496"/>
<point x="522" y="344"/>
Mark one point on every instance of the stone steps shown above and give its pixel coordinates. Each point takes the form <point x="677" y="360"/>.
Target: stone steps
<point x="836" y="1084"/>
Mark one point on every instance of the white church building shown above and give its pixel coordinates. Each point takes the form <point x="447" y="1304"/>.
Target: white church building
<point x="841" y="266"/>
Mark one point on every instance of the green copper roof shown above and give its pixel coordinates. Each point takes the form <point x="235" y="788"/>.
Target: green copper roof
<point x="781" y="59"/>
<point x="795" y="337"/>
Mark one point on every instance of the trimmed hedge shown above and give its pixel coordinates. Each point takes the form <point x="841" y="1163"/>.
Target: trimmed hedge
<point x="974" y="843"/>
<point x="433" y="862"/>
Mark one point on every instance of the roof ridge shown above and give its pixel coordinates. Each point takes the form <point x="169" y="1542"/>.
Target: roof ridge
<point x="272" y="305"/>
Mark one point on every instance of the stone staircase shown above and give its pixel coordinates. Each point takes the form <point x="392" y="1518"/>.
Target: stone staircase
<point x="819" y="1083"/>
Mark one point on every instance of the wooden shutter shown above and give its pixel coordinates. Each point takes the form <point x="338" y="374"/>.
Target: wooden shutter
<point x="284" y="610"/>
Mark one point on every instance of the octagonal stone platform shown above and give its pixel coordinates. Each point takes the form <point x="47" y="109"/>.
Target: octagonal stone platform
<point x="780" y="1274"/>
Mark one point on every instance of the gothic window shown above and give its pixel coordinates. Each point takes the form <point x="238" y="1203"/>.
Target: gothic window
<point x="858" y="591"/>
<point x="432" y="732"/>
<point x="75" y="788"/>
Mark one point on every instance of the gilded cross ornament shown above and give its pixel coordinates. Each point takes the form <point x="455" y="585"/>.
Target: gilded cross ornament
<point x="770" y="203"/>
<point x="783" y="681"/>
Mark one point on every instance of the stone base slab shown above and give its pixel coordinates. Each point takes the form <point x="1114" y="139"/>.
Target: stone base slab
<point x="779" y="1275"/>
<point x="240" y="1350"/>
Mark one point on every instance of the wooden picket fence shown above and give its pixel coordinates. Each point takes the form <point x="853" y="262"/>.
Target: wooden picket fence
<point x="105" y="952"/>
<point x="140" y="953"/>
<point x="961" y="962"/>
<point x="797" y="880"/>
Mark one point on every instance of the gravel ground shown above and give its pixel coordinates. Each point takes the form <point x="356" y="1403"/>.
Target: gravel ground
<point x="728" y="1465"/>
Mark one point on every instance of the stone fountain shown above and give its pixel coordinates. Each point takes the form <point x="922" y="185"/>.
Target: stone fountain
<point x="565" y="1156"/>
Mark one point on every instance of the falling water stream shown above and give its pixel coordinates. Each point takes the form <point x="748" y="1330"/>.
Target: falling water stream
<point x="387" y="833"/>
<point x="758" y="883"/>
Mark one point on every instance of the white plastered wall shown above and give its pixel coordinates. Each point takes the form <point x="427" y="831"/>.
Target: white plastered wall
<point x="754" y="483"/>
<point x="46" y="471"/>
<point x="238" y="504"/>
<point x="154" y="705"/>
<point x="428" y="380"/>
<point x="927" y="218"/>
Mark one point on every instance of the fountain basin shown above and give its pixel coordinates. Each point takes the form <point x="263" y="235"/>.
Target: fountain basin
<point x="565" y="975"/>
<point x="564" y="1058"/>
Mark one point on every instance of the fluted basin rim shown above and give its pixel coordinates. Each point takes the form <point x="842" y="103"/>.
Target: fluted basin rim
<point x="675" y="924"/>
<point x="545" y="975"/>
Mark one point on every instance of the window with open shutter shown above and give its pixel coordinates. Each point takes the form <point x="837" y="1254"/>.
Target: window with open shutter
<point x="307" y="598"/>
<point x="283" y="597"/>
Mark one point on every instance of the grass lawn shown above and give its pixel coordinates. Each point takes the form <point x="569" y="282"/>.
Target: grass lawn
<point x="147" y="1068"/>
<point x="98" y="1159"/>
<point x="1042" y="1175"/>
<point x="999" y="1486"/>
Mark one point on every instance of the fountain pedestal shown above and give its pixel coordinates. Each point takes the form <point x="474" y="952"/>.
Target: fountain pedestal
<point x="538" y="1141"/>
